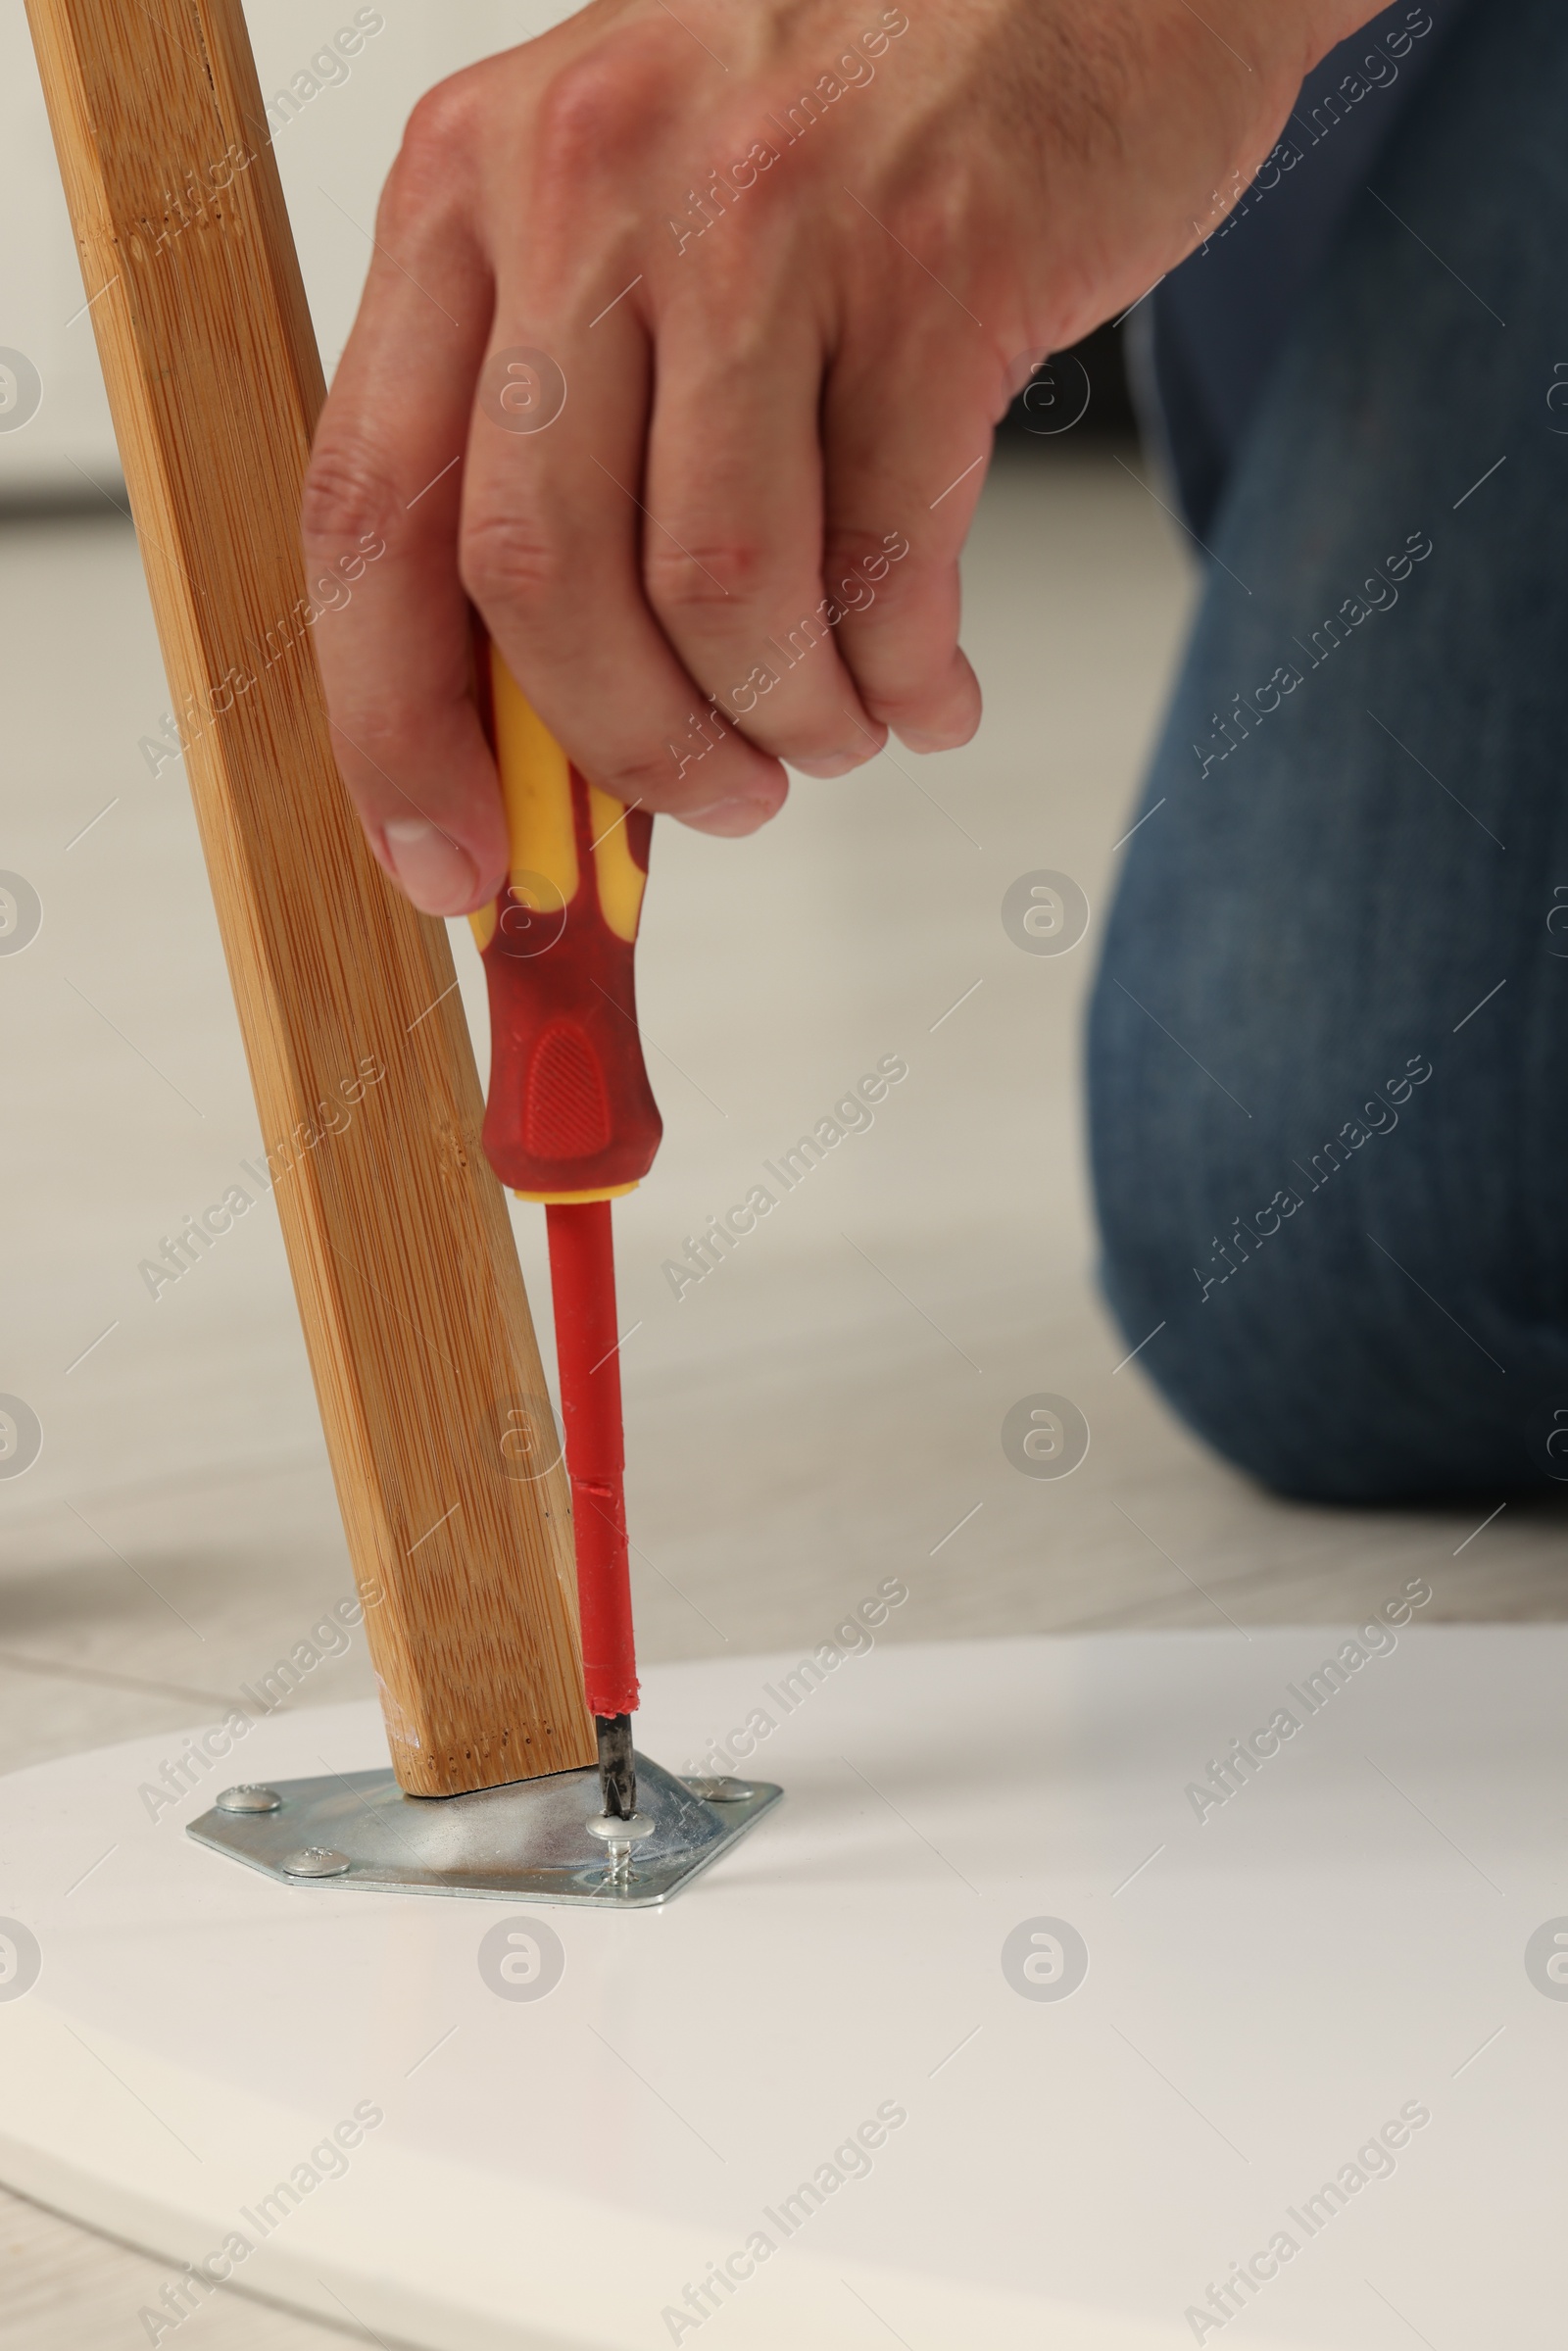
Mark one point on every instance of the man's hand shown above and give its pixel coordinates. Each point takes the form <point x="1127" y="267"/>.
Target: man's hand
<point x="680" y="354"/>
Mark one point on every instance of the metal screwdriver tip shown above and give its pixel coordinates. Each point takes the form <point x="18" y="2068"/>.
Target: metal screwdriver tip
<point x="617" y="1765"/>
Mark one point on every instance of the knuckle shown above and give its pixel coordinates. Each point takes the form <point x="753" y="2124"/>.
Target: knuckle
<point x="861" y="570"/>
<point x="438" y="141"/>
<point x="383" y="731"/>
<point x="348" y="495"/>
<point x="505" y="558"/>
<point x="600" y="102"/>
<point x="698" y="578"/>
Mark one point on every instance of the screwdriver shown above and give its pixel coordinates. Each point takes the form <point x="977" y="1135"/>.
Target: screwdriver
<point x="570" y="1121"/>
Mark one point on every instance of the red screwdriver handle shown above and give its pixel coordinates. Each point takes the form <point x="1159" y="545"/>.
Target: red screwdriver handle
<point x="570" y="1115"/>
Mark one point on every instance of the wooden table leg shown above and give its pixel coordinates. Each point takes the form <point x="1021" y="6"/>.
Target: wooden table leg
<point x="424" y="1358"/>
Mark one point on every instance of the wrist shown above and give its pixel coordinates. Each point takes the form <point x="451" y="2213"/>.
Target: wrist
<point x="1294" y="38"/>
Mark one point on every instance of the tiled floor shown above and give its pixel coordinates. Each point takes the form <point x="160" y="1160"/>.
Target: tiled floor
<point x="818" y="1414"/>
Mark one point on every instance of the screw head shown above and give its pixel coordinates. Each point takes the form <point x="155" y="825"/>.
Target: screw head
<point x="721" y="1791"/>
<point x="316" y="1861"/>
<point x="621" y="1833"/>
<point x="250" y="1799"/>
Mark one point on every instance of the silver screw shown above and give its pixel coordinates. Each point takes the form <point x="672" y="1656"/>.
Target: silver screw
<point x="250" y="1799"/>
<point x="316" y="1861"/>
<point x="721" y="1791"/>
<point x="618" y="1836"/>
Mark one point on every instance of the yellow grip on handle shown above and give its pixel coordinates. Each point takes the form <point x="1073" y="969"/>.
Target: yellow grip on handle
<point x="536" y="787"/>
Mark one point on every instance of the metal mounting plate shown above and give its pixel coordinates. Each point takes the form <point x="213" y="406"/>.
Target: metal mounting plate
<point x="526" y="1843"/>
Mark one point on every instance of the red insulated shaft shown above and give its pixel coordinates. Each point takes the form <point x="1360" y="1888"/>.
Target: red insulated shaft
<point x="582" y="1277"/>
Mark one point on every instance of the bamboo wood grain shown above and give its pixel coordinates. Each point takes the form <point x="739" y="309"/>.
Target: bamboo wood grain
<point x="423" y="1353"/>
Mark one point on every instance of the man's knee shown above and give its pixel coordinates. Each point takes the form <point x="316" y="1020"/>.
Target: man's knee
<point x="1314" y="1312"/>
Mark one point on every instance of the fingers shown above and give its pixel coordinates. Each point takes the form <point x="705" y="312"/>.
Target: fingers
<point x="649" y="577"/>
<point x="732" y="546"/>
<point x="550" y="552"/>
<point x="902" y="478"/>
<point x="382" y="492"/>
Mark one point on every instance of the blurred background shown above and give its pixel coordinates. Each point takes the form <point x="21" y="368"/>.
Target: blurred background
<point x="824" y="1409"/>
<point x="822" y="1412"/>
<point x="334" y="142"/>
